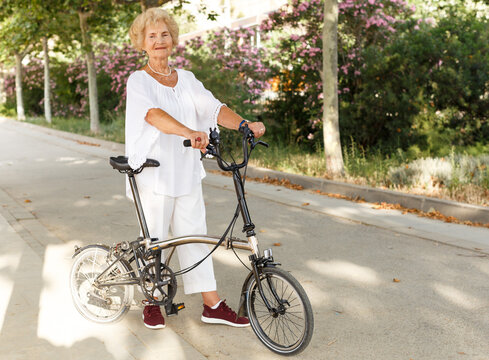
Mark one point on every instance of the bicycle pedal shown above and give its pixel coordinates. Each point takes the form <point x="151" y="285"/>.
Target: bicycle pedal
<point x="173" y="309"/>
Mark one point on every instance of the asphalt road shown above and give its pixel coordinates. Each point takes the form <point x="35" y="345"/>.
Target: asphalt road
<point x="56" y="192"/>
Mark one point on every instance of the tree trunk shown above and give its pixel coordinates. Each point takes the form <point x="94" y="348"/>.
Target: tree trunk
<point x="3" y="96"/>
<point x="146" y="4"/>
<point x="18" y="87"/>
<point x="47" y="92"/>
<point x="92" y="73"/>
<point x="143" y="5"/>
<point x="331" y="130"/>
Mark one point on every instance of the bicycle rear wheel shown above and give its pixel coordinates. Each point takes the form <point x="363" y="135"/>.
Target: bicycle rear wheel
<point x="100" y="304"/>
<point x="288" y="327"/>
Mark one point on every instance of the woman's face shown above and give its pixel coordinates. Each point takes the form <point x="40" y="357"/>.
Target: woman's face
<point x="158" y="42"/>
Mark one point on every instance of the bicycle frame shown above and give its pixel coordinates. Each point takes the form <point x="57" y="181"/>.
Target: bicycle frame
<point x="248" y="227"/>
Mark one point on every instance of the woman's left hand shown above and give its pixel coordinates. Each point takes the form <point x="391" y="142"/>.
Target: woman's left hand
<point x="258" y="128"/>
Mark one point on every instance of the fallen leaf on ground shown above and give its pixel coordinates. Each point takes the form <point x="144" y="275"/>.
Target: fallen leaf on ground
<point x="263" y="230"/>
<point x="305" y="204"/>
<point x="461" y="353"/>
<point x="396" y="280"/>
<point x="87" y="197"/>
<point x="332" y="342"/>
<point x="86" y="143"/>
<point x="277" y="244"/>
<point x="27" y="201"/>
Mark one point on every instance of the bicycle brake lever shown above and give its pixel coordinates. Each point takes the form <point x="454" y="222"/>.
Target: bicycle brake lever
<point x="210" y="150"/>
<point x="259" y="142"/>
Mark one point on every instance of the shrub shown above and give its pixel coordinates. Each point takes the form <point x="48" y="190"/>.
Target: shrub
<point x="446" y="171"/>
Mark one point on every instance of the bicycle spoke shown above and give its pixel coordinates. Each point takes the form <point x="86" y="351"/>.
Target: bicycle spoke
<point x="283" y="331"/>
<point x="294" y="325"/>
<point x="293" y="314"/>
<point x="104" y="304"/>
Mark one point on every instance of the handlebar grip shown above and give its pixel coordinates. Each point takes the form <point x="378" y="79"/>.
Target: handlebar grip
<point x="188" y="143"/>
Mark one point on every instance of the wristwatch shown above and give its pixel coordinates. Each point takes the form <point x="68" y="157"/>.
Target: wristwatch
<point x="242" y="122"/>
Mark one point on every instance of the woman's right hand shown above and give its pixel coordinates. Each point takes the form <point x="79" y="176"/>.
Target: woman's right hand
<point x="199" y="140"/>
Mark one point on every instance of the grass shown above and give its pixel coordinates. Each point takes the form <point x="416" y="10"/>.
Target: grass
<point x="461" y="175"/>
<point x="112" y="130"/>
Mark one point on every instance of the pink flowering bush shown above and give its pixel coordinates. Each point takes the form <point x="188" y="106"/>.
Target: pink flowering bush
<point x="69" y="83"/>
<point x="296" y="59"/>
<point x="375" y="105"/>
<point x="229" y="65"/>
<point x="113" y="66"/>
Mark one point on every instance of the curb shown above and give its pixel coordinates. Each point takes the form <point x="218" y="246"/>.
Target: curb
<point x="461" y="211"/>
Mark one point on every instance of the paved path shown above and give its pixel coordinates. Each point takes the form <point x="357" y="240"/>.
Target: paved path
<point x="56" y="192"/>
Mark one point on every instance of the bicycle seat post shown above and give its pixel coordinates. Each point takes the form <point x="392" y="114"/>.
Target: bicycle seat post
<point x="139" y="206"/>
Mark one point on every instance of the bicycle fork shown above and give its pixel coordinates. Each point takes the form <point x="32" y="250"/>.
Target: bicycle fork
<point x="258" y="263"/>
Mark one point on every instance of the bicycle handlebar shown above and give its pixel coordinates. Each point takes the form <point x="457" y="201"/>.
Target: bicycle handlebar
<point x="213" y="147"/>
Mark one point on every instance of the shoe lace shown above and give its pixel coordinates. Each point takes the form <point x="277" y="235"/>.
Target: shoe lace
<point x="154" y="311"/>
<point x="227" y="309"/>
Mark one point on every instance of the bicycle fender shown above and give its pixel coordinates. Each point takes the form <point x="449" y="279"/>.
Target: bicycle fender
<point x="80" y="249"/>
<point x="242" y="300"/>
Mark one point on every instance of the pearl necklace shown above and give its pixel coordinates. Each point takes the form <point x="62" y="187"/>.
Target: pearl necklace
<point x="159" y="73"/>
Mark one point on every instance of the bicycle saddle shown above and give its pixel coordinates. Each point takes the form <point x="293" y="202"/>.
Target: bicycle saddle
<point x="120" y="163"/>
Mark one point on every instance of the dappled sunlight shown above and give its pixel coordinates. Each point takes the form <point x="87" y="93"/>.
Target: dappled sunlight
<point x="76" y="161"/>
<point x="457" y="297"/>
<point x="345" y="270"/>
<point x="484" y="267"/>
<point x="7" y="162"/>
<point x="317" y="297"/>
<point x="66" y="159"/>
<point x="82" y="203"/>
<point x="113" y="200"/>
<point x="343" y="211"/>
<point x="59" y="322"/>
<point x="61" y="325"/>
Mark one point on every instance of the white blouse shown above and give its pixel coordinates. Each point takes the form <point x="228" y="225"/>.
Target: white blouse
<point x="190" y="103"/>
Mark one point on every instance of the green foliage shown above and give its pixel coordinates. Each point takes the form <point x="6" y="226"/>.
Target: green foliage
<point x="429" y="85"/>
<point x="461" y="82"/>
<point x="8" y="109"/>
<point x="112" y="130"/>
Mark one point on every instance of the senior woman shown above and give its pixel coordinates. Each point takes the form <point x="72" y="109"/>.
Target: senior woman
<point x="164" y="107"/>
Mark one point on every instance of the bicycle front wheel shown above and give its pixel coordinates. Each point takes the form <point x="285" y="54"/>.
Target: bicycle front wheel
<point x="100" y="304"/>
<point x="287" y="328"/>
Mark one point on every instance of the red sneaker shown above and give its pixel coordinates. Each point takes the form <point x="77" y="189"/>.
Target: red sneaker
<point x="223" y="315"/>
<point x="152" y="317"/>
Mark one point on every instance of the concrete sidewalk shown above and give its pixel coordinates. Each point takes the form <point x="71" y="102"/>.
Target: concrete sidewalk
<point x="56" y="192"/>
<point x="37" y="316"/>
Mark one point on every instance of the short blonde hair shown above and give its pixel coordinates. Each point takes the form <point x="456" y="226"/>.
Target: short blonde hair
<point x="151" y="16"/>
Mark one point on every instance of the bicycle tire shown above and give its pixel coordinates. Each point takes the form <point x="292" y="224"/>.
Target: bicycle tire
<point x="105" y="305"/>
<point x="286" y="332"/>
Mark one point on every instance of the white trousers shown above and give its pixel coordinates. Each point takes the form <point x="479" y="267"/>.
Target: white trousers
<point x="185" y="215"/>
